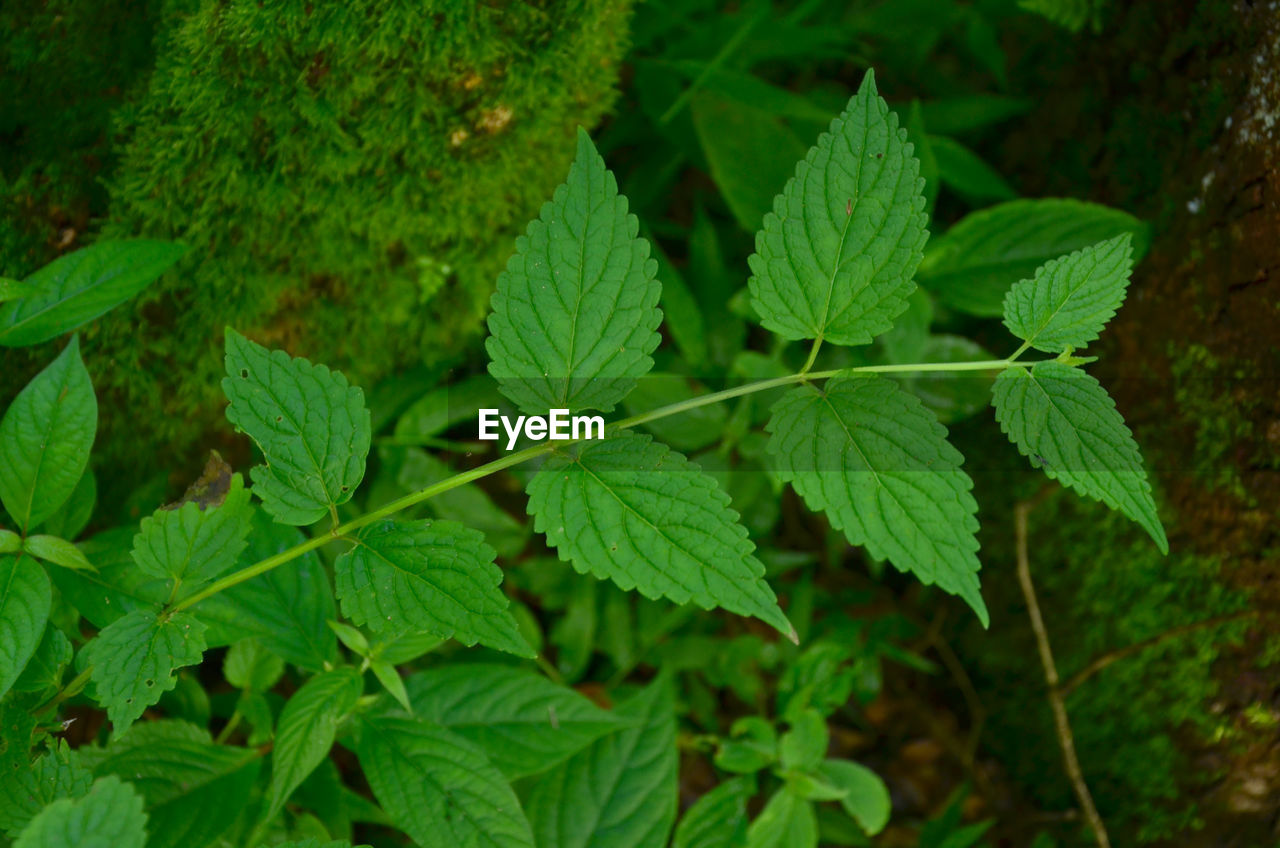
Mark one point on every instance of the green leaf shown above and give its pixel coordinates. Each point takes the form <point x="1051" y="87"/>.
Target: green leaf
<point x="45" y="439"/>
<point x="973" y="265"/>
<point x="811" y="788"/>
<point x="314" y="843"/>
<point x="1071" y="298"/>
<point x="575" y="315"/>
<point x="879" y="464"/>
<point x="836" y="257"/>
<point x="436" y="576"/>
<point x="924" y="154"/>
<point x="12" y="290"/>
<point x="116" y="587"/>
<point x="447" y="406"/>
<point x="1073" y="15"/>
<point x="401" y="648"/>
<point x="468" y="504"/>
<point x="310" y="424"/>
<point x="135" y="660"/>
<point x="351" y="637"/>
<point x="248" y="665"/>
<point x="523" y="722"/>
<point x="193" y="545"/>
<point x="25" y="599"/>
<point x="951" y="395"/>
<point x="718" y="819"/>
<point x="285" y="609"/>
<point x="306" y="730"/>
<point x="57" y="551"/>
<point x="392" y="682"/>
<point x="70" y="519"/>
<point x="80" y="286"/>
<point x="109" y="816"/>
<point x="10" y="542"/>
<point x="698" y="428"/>
<point x="681" y="314"/>
<point x="752" y="746"/>
<point x="44" y="669"/>
<point x="256" y="710"/>
<point x="23" y="793"/>
<point x="866" y="798"/>
<point x="621" y="791"/>
<point x="962" y="169"/>
<point x="787" y="821"/>
<point x="1066" y="423"/>
<point x="17" y="734"/>
<point x="804" y="746"/>
<point x="964" y="113"/>
<point x="194" y="789"/>
<point x="749" y="151"/>
<point x="630" y="510"/>
<point x="439" y="788"/>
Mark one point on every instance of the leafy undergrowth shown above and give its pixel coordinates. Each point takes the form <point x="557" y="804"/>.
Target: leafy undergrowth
<point x="574" y="326"/>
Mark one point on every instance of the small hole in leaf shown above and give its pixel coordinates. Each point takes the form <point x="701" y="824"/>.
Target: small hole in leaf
<point x="279" y="418"/>
<point x="148" y="683"/>
<point x="244" y="373"/>
<point x="346" y="488"/>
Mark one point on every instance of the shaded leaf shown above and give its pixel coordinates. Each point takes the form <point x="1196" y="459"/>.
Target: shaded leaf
<point x="436" y="576"/>
<point x="620" y="792"/>
<point x="523" y="722"/>
<point x="879" y="464"/>
<point x="439" y="788"/>
<point x="81" y="286"/>
<point x="630" y="510"/>
<point x="109" y="816"/>
<point x="25" y="599"/>
<point x="45" y="438"/>
<point x="306" y="730"/>
<point x="1064" y="420"/>
<point x="972" y="266"/>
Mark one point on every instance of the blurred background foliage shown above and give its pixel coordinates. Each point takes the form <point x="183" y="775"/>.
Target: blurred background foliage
<point x="352" y="177"/>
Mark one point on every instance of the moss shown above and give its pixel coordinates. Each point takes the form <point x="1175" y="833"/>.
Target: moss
<point x="1213" y="393"/>
<point x="350" y="177"/>
<point x="66" y="65"/>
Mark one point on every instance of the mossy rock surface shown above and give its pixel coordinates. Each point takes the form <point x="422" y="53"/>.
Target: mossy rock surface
<point x="350" y="178"/>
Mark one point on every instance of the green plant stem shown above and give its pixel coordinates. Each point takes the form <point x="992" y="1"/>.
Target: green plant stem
<point x="342" y="531"/>
<point x="73" y="688"/>
<point x="228" y="728"/>
<point x="711" y="67"/>
<point x="813" y="355"/>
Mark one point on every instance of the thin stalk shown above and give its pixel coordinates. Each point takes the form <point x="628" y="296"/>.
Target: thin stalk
<point x="73" y="688"/>
<point x="343" y="531"/>
<point x="710" y="68"/>
<point x="813" y="355"/>
<point x="228" y="728"/>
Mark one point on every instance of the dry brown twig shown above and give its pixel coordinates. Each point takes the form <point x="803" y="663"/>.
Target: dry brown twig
<point x="1061" y="724"/>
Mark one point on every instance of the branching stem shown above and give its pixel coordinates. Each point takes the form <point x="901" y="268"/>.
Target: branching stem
<point x="349" y="528"/>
